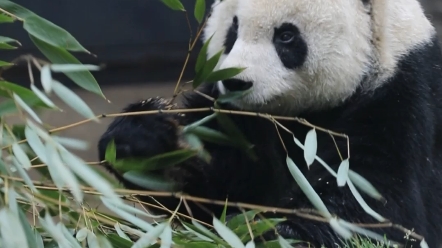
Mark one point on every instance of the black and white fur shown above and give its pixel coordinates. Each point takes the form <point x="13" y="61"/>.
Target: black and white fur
<point x="368" y="68"/>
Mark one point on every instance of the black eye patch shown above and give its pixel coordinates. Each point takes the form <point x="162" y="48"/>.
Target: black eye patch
<point x="290" y="46"/>
<point x="231" y="36"/>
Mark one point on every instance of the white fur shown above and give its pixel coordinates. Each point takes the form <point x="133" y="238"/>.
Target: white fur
<point x="339" y="35"/>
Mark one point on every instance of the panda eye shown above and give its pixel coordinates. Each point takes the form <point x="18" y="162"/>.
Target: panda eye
<point x="287" y="37"/>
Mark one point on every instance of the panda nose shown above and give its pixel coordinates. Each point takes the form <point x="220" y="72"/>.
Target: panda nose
<point x="237" y="85"/>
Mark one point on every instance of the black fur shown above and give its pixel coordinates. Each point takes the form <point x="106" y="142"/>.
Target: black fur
<point x="231" y="36"/>
<point x="293" y="53"/>
<point x="395" y="142"/>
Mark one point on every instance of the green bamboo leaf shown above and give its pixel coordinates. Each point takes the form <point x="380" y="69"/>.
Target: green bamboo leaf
<point x="23" y="174"/>
<point x="29" y="97"/>
<point x="198" y="146"/>
<point x="72" y="143"/>
<point x="21" y="156"/>
<point x="120" y="232"/>
<point x="26" y="108"/>
<point x="149" y="181"/>
<point x="342" y="175"/>
<point x="42" y="96"/>
<point x="234" y="134"/>
<point x="160" y="161"/>
<point x="365" y="232"/>
<point x="344" y="232"/>
<point x="52" y="166"/>
<point x="68" y="235"/>
<point x="200" y="9"/>
<point x="4" y="64"/>
<point x="202" y="55"/>
<point x="210" y="135"/>
<point x="48" y="224"/>
<point x="310" y="147"/>
<point x="228" y="235"/>
<point x="363" y="204"/>
<point x="150" y="237"/>
<point x="35" y="143"/>
<point x="207" y="69"/>
<point x="6" y="19"/>
<point x="91" y="177"/>
<point x="81" y="234"/>
<point x="364" y="185"/>
<point x="64" y="175"/>
<point x="284" y="243"/>
<point x="307" y="188"/>
<point x="166" y="237"/>
<point x="58" y="55"/>
<point x="11" y="229"/>
<point x="46" y="78"/>
<point x="73" y="100"/>
<point x="111" y="152"/>
<point x="5" y="43"/>
<point x="33" y="238"/>
<point x="125" y="215"/>
<point x="240" y="219"/>
<point x="224" y="213"/>
<point x="119" y="242"/>
<point x="51" y="34"/>
<point x="203" y="230"/>
<point x="250" y="244"/>
<point x="174" y="4"/>
<point x="231" y="96"/>
<point x="74" y="67"/>
<point x="6" y="46"/>
<point x="223" y="74"/>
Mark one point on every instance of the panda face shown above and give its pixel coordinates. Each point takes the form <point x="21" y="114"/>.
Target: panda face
<point x="308" y="54"/>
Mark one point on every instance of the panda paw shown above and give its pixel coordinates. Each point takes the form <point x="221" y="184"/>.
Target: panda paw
<point x="143" y="135"/>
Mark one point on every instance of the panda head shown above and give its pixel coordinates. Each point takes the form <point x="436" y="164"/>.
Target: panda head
<point x="304" y="55"/>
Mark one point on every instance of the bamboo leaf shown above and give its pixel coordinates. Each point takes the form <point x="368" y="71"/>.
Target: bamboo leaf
<point x="42" y="96"/>
<point x="363" y="204"/>
<point x="149" y="181"/>
<point x="73" y="67"/>
<point x="307" y="188"/>
<point x="228" y="235"/>
<point x="364" y="185"/>
<point x="58" y="55"/>
<point x="150" y="237"/>
<point x="21" y="156"/>
<point x="346" y="234"/>
<point x="310" y="147"/>
<point x="52" y="34"/>
<point x="223" y="74"/>
<point x="202" y="55"/>
<point x="73" y="100"/>
<point x="207" y="69"/>
<point x="160" y="161"/>
<point x="200" y="9"/>
<point x="342" y="175"/>
<point x="11" y="230"/>
<point x="6" y="19"/>
<point x="174" y="4"/>
<point x="4" y="64"/>
<point x="26" y="108"/>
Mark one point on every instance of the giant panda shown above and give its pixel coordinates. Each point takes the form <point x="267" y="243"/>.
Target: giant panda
<point x="370" y="69"/>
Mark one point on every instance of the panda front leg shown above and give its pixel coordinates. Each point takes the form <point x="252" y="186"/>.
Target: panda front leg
<point x="143" y="136"/>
